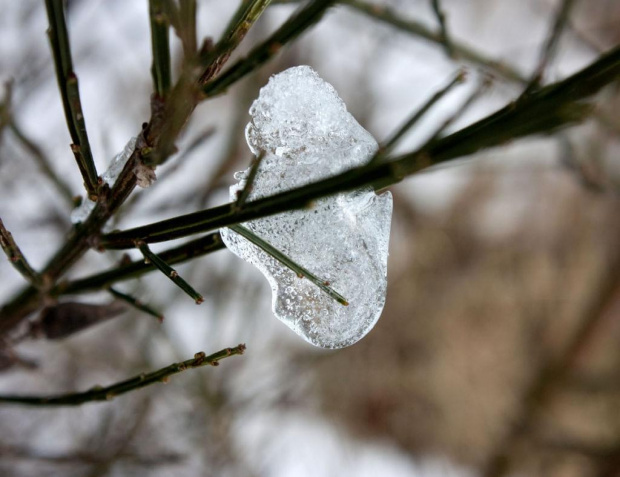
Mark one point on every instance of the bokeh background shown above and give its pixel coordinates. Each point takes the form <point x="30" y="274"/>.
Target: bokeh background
<point x="496" y="262"/>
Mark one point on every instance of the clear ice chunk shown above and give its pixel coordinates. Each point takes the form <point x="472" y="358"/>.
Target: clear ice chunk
<point x="306" y="134"/>
<point x="79" y="214"/>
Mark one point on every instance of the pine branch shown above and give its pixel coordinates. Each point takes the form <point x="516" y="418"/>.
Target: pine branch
<point x="69" y="91"/>
<point x="110" y="392"/>
<point x="185" y="96"/>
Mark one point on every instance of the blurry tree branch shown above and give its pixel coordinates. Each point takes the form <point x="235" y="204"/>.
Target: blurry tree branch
<point x="16" y="257"/>
<point x="595" y="318"/>
<point x="107" y="393"/>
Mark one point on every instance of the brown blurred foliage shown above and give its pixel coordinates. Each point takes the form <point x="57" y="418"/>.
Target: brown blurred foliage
<point x="472" y="317"/>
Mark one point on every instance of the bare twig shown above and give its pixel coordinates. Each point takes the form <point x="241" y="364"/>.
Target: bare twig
<point x="299" y="22"/>
<point x="187" y="17"/>
<point x="471" y="99"/>
<point x="543" y="111"/>
<point x="551" y="373"/>
<point x="160" y="44"/>
<point x="249" y="182"/>
<point x="186" y="94"/>
<point x="125" y="271"/>
<point x="137" y="304"/>
<point x="42" y="162"/>
<point x="386" y="15"/>
<point x="288" y="262"/>
<point x="69" y="91"/>
<point x="16" y="257"/>
<point x="170" y="272"/>
<point x="548" y="50"/>
<point x="443" y="29"/>
<point x="386" y="148"/>
<point x="108" y="393"/>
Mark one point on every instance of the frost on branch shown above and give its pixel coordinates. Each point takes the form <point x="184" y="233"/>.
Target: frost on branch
<point x="306" y="133"/>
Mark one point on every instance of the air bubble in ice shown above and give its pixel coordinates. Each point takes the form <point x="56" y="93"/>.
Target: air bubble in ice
<point x="306" y="134"/>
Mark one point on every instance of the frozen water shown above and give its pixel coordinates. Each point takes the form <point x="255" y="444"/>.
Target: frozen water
<point x="306" y="133"/>
<point x="119" y="161"/>
<point x="79" y="214"/>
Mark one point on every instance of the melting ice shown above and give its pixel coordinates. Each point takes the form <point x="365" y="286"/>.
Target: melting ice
<point x="302" y="126"/>
<point x="80" y="213"/>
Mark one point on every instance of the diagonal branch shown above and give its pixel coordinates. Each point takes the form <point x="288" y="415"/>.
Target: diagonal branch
<point x="299" y="22"/>
<point x="160" y="131"/>
<point x="543" y="111"/>
<point x="69" y="91"/>
<point x="160" y="44"/>
<point x="108" y="393"/>
<point x="550" y="46"/>
<point x="170" y="272"/>
<point x="16" y="257"/>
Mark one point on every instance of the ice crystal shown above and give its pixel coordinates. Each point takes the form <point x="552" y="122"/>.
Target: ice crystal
<point x="303" y="129"/>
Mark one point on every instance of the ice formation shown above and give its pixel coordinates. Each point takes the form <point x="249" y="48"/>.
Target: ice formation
<point x="305" y="132"/>
<point x="80" y="213"/>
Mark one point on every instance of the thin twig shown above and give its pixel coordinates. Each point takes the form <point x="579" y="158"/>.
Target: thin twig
<point x="137" y="304"/>
<point x="299" y="22"/>
<point x="386" y="15"/>
<point x="42" y="162"/>
<point x="16" y="257"/>
<point x="186" y="94"/>
<point x="443" y="29"/>
<point x="170" y="272"/>
<point x="548" y="50"/>
<point x="161" y="131"/>
<point x="249" y="182"/>
<point x="386" y="148"/>
<point x="187" y="16"/>
<point x="246" y="15"/>
<point x="110" y="392"/>
<point x="288" y="262"/>
<point x="554" y="371"/>
<point x="69" y="91"/>
<point x="125" y="271"/>
<point x="160" y="44"/>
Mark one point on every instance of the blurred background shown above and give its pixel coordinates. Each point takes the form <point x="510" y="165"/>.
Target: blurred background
<point x="500" y="265"/>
